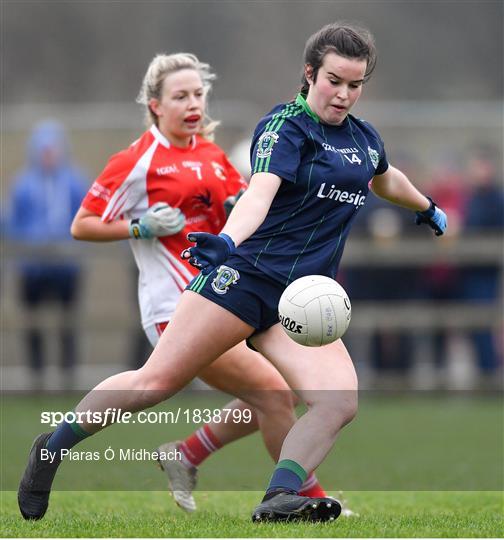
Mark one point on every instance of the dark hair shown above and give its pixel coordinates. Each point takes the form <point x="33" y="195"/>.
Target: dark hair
<point x="344" y="39"/>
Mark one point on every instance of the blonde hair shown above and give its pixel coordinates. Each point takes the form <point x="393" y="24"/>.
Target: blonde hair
<point x="163" y="65"/>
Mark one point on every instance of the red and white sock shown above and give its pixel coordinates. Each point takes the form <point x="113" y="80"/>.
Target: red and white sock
<point x="312" y="487"/>
<point x="198" y="446"/>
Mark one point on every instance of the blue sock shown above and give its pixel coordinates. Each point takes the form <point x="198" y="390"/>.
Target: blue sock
<point x="288" y="476"/>
<point x="65" y="436"/>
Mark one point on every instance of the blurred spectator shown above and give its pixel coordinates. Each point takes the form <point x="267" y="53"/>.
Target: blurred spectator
<point x="441" y="282"/>
<point x="473" y="203"/>
<point x="485" y="211"/>
<point x="484" y="215"/>
<point x="45" y="196"/>
<point x="390" y="350"/>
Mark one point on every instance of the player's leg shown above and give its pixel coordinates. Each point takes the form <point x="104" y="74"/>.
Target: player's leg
<point x="247" y="374"/>
<point x="266" y="404"/>
<point x="182" y="474"/>
<point x="240" y="368"/>
<point x="176" y="360"/>
<point x="243" y="423"/>
<point x="214" y="435"/>
<point x="262" y="389"/>
<point x="228" y="374"/>
<point x="326" y="381"/>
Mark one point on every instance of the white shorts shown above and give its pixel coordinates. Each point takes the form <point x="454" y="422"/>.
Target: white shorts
<point x="154" y="331"/>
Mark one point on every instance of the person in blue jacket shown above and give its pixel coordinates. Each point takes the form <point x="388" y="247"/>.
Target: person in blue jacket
<point x="45" y="196"/>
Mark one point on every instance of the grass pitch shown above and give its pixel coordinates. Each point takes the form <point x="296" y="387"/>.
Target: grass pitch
<point x="227" y="514"/>
<point x="411" y="466"/>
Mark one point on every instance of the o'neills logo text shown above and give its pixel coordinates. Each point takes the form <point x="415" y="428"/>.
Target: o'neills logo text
<point x="331" y="148"/>
<point x="341" y="196"/>
<point x="169" y="169"/>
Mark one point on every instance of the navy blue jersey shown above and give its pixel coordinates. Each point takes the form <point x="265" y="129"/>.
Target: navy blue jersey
<point x="325" y="172"/>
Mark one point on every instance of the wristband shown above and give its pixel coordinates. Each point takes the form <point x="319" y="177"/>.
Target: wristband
<point x="134" y="228"/>
<point x="431" y="210"/>
<point x="229" y="241"/>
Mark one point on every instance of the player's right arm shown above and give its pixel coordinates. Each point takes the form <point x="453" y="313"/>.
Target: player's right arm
<point x="117" y="194"/>
<point x="89" y="226"/>
<point x="159" y="220"/>
<point x="99" y="218"/>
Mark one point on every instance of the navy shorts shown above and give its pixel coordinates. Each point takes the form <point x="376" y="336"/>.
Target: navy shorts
<point x="243" y="290"/>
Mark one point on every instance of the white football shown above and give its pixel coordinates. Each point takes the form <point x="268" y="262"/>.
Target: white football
<point x="314" y="310"/>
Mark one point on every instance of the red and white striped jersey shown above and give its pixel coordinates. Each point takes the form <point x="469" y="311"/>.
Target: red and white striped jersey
<point x="196" y="179"/>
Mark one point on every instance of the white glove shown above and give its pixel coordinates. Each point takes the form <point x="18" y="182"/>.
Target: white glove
<point x="159" y="220"/>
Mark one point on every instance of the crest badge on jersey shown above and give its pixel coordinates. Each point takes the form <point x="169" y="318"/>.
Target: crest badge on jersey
<point x="374" y="156"/>
<point x="265" y="144"/>
<point x="219" y="170"/>
<point x="225" y="277"/>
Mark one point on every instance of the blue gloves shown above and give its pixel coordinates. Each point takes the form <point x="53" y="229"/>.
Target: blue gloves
<point x="159" y="220"/>
<point x="434" y="217"/>
<point x="210" y="250"/>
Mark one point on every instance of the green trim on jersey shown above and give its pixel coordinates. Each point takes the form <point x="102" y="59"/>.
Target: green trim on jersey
<point x="301" y="100"/>
<point x="297" y="211"/>
<point x="273" y="126"/>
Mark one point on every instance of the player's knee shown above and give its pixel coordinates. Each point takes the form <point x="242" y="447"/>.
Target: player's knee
<point x="348" y="408"/>
<point x="336" y="408"/>
<point x="279" y="401"/>
<point x="151" y="388"/>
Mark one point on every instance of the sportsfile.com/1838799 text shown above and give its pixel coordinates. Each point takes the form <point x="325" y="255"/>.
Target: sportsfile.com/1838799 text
<point x="112" y="415"/>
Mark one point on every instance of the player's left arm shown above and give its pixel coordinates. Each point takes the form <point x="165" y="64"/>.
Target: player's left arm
<point x="395" y="187"/>
<point x="252" y="207"/>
